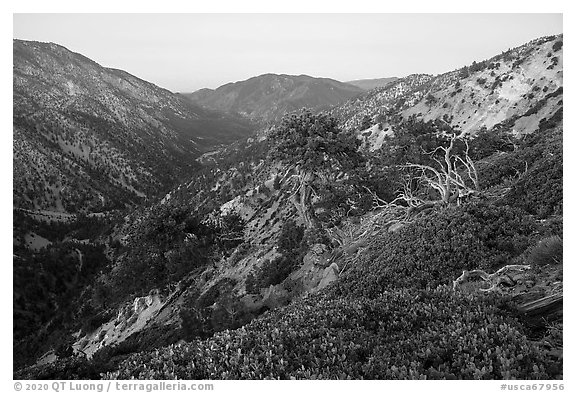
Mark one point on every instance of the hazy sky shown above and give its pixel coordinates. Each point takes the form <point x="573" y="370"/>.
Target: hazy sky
<point x="185" y="52"/>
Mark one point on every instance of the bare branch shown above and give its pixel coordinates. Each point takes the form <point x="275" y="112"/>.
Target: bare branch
<point x="377" y="202"/>
<point x="495" y="279"/>
<point x="446" y="179"/>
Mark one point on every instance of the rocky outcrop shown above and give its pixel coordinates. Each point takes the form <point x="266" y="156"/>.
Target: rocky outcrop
<point x="275" y="296"/>
<point x="329" y="275"/>
<point x="131" y="318"/>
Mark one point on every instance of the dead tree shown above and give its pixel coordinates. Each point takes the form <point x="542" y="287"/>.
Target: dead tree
<point x="544" y="308"/>
<point x="455" y="178"/>
<point x="500" y="277"/>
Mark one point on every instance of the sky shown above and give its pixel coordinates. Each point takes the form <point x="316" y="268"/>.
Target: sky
<point x="186" y="52"/>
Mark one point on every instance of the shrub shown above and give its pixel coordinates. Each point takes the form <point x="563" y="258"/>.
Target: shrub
<point x="547" y="251"/>
<point x="166" y="244"/>
<point x="552" y="226"/>
<point x="241" y="251"/>
<point x="544" y="144"/>
<point x="276" y="184"/>
<point x="367" y="122"/>
<point x="539" y="190"/>
<point x="71" y="368"/>
<point x="486" y="143"/>
<point x="292" y="246"/>
<point x="91" y="323"/>
<point x="404" y="334"/>
<point x="435" y="249"/>
<point x="431" y="99"/>
<point x="499" y="168"/>
<point x="270" y="272"/>
<point x="314" y="236"/>
<point x="476" y="67"/>
<point x="557" y="46"/>
<point x="194" y="324"/>
<point x="554" y="61"/>
<point x="290" y="238"/>
<point x="252" y="286"/>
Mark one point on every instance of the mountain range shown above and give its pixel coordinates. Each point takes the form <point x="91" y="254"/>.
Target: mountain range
<point x="369" y="84"/>
<point x="90" y="138"/>
<point x="268" y="97"/>
<point x="313" y="244"/>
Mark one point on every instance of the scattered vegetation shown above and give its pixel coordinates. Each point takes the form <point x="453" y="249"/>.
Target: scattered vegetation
<point x="490" y="200"/>
<point x="292" y="247"/>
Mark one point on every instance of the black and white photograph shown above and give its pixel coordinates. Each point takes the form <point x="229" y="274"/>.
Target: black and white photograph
<point x="287" y="196"/>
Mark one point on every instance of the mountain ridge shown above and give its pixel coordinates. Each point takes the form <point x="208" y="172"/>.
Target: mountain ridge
<point x="268" y="97"/>
<point x="226" y="259"/>
<point x="369" y="84"/>
<point x="522" y="85"/>
<point x="71" y="112"/>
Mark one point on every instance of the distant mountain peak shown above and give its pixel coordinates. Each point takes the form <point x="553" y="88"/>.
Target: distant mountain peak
<point x="369" y="84"/>
<point x="268" y="97"/>
<point x="78" y="125"/>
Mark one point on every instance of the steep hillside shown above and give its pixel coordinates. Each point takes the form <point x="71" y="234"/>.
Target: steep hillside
<point x="268" y="97"/>
<point x="521" y="86"/>
<point x="369" y="84"/>
<point x="348" y="289"/>
<point x="319" y="250"/>
<point x="92" y="138"/>
<point x="380" y="100"/>
<point x="516" y="89"/>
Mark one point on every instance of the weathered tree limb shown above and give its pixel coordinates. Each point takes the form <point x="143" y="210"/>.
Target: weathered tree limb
<point x="550" y="303"/>
<point x="446" y="179"/>
<point x="495" y="279"/>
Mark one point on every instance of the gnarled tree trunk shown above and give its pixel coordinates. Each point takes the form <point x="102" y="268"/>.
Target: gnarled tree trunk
<point x="302" y="198"/>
